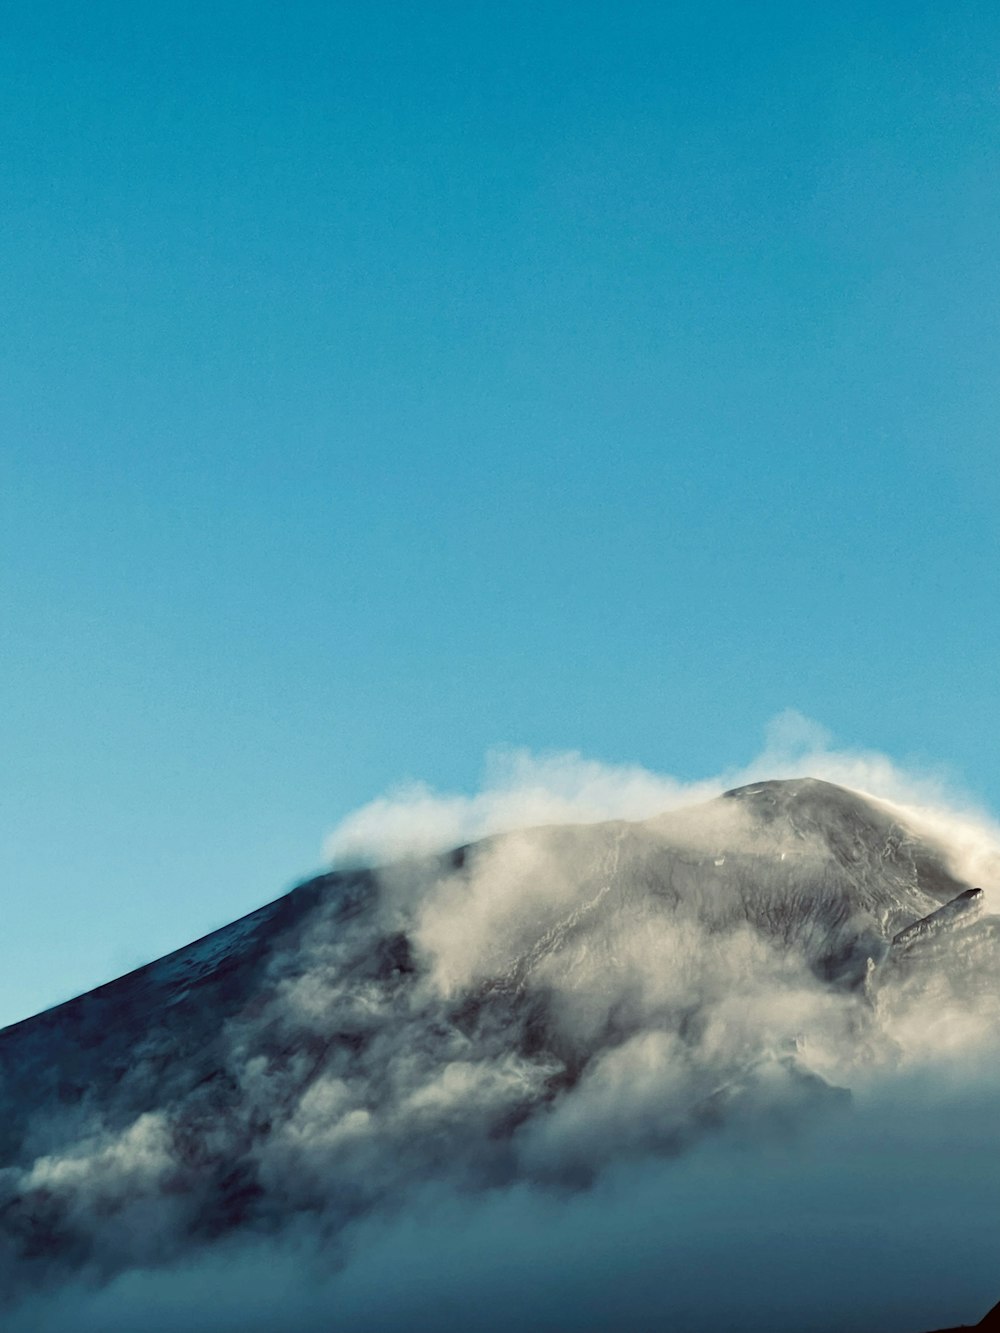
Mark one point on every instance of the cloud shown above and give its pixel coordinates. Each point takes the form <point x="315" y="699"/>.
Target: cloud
<point x="869" y="1219"/>
<point x="520" y="789"/>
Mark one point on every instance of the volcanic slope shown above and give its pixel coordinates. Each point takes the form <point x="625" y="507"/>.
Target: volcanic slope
<point x="990" y="1322"/>
<point x="472" y="1017"/>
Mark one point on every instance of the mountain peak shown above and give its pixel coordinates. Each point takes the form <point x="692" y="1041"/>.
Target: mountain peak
<point x="459" y="1017"/>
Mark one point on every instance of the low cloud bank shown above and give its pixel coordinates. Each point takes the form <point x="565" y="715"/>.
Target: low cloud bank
<point x="879" y="1220"/>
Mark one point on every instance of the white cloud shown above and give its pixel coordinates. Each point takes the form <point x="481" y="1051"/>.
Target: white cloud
<point x="520" y="789"/>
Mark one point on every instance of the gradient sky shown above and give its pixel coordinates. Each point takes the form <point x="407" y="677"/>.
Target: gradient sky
<point x="383" y="383"/>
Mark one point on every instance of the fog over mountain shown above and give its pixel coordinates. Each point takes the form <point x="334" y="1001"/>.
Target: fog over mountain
<point x="733" y="1061"/>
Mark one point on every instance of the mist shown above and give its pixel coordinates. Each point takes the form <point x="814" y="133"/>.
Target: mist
<point x="520" y="788"/>
<point x="880" y="1218"/>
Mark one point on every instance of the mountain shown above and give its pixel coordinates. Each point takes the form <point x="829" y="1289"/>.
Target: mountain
<point x="526" y="1007"/>
<point x="990" y="1322"/>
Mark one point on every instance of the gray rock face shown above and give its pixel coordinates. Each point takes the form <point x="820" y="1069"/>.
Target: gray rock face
<point x="476" y="1015"/>
<point x="963" y="910"/>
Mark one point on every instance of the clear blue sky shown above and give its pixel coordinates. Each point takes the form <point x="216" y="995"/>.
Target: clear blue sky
<point x="385" y="382"/>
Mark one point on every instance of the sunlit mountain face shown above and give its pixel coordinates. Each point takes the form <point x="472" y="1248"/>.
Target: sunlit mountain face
<point x="530" y="1012"/>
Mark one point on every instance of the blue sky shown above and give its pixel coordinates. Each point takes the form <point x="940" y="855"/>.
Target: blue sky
<point x="382" y="384"/>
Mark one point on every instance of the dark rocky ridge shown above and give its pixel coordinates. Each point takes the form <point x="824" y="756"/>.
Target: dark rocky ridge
<point x="990" y="1322"/>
